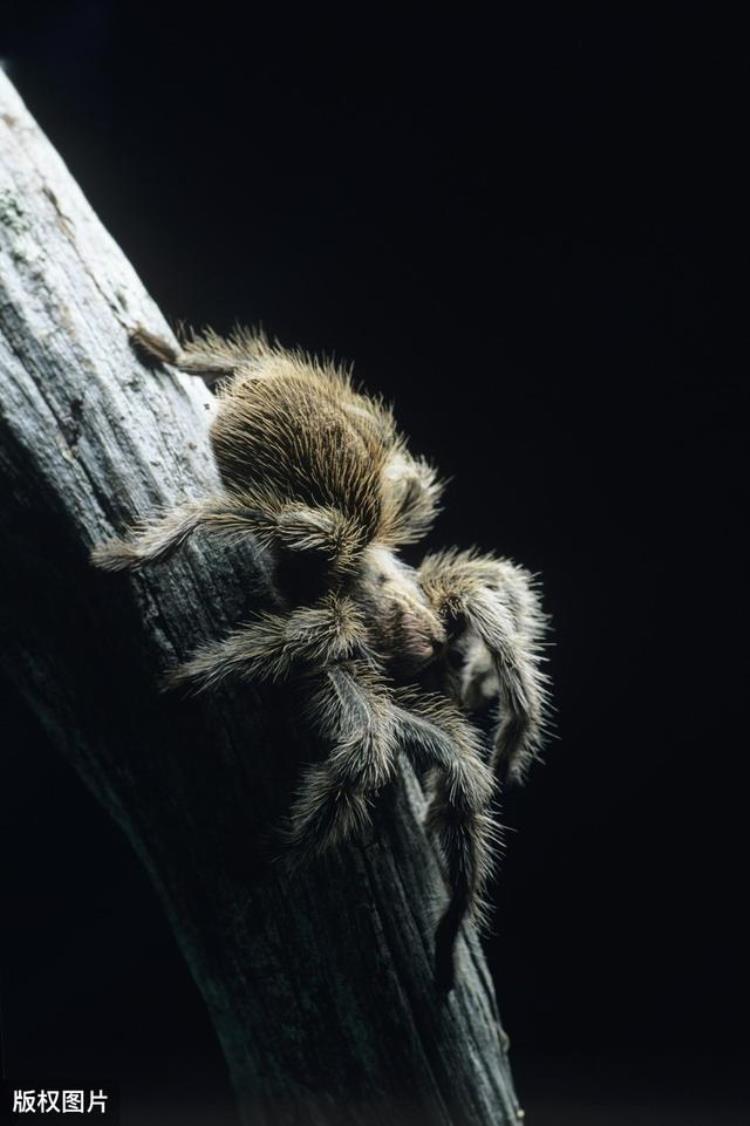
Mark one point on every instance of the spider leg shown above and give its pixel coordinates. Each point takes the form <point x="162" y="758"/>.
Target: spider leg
<point x="272" y="645"/>
<point x="322" y="530"/>
<point x="209" y="357"/>
<point x="412" y="492"/>
<point x="294" y="527"/>
<point x="460" y="812"/>
<point x="155" y="540"/>
<point x="493" y="602"/>
<point x="350" y="707"/>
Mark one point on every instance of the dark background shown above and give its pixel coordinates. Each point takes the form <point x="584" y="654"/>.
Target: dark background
<point x="521" y="233"/>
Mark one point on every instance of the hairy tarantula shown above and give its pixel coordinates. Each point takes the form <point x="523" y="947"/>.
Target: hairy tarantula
<point x="392" y="657"/>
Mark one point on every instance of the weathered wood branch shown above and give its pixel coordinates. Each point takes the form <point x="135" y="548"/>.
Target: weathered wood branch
<point x="319" y="986"/>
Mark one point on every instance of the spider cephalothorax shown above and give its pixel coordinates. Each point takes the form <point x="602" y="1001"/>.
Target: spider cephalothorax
<point x="390" y="657"/>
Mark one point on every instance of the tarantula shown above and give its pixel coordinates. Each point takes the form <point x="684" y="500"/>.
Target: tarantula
<point x="391" y="656"/>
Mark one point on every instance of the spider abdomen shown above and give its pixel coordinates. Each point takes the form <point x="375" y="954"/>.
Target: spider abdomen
<point x="282" y="430"/>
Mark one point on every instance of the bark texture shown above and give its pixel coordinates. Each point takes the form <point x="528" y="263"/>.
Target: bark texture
<point x="319" y="985"/>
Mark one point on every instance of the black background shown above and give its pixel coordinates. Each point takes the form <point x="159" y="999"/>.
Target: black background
<point x="520" y="231"/>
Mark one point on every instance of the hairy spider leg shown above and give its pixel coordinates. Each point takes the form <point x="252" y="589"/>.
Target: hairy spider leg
<point x="272" y="645"/>
<point x="350" y="707"/>
<point x="460" y="814"/>
<point x="498" y="602"/>
<point x="207" y="358"/>
<point x="296" y="527"/>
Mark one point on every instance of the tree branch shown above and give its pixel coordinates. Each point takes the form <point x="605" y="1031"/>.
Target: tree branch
<point x="319" y="985"/>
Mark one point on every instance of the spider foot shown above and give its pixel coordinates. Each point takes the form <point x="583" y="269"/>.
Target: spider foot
<point x="325" y="813"/>
<point x="117" y="555"/>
